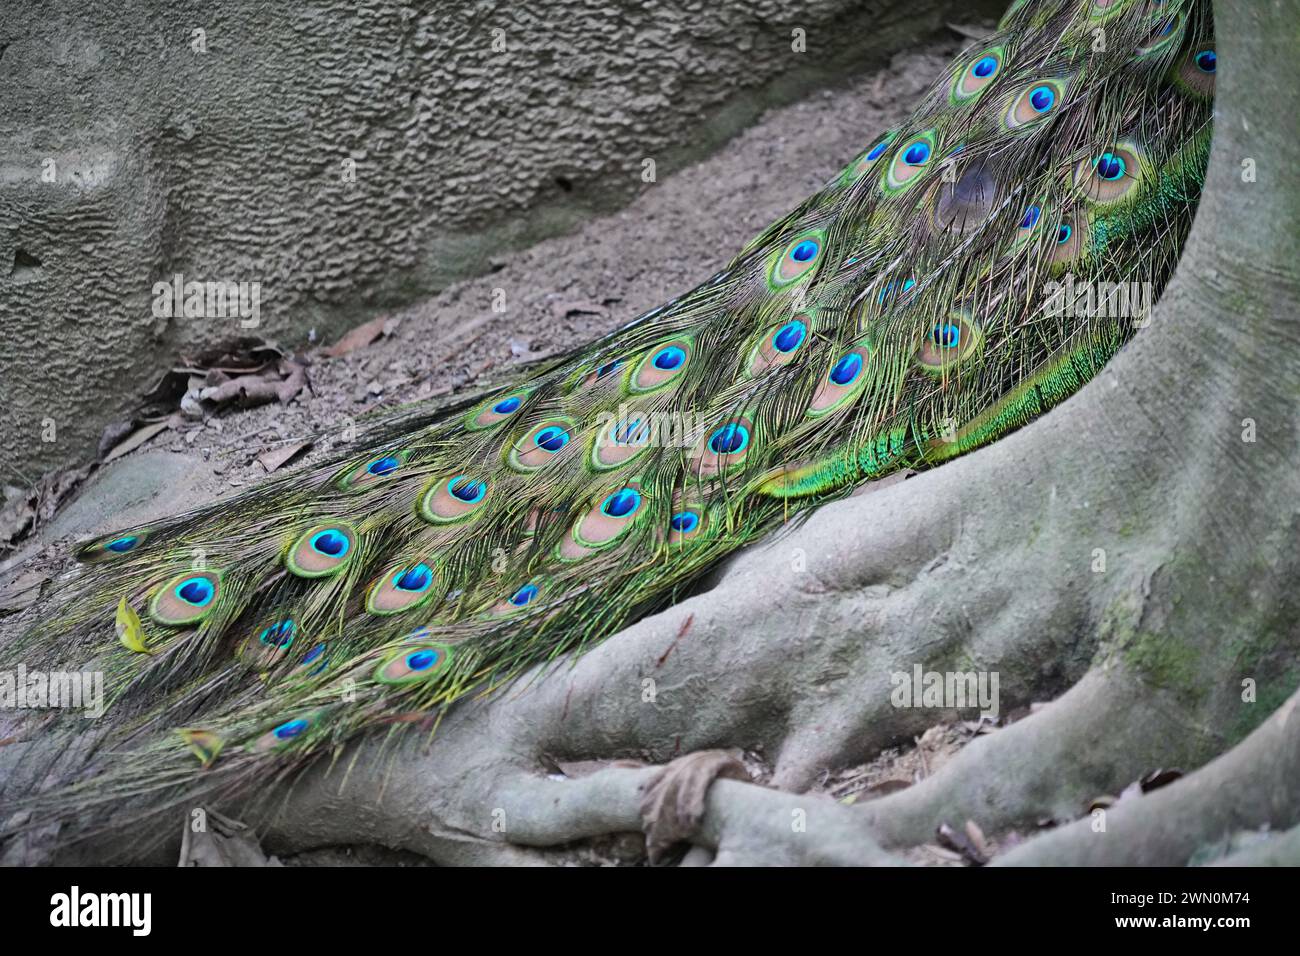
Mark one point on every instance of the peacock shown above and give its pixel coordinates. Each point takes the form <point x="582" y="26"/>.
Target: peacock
<point x="922" y="303"/>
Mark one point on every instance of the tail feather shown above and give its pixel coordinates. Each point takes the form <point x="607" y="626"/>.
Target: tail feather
<point x="909" y="311"/>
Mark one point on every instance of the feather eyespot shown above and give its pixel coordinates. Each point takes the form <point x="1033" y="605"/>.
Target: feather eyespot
<point x="778" y="347"/>
<point x="604" y="523"/>
<point x="455" y="499"/>
<point x="543" y="444"/>
<point x="977" y="75"/>
<point x="1110" y="176"/>
<point x="866" y="160"/>
<point x="798" y="260"/>
<point x="1028" y="225"/>
<point x="909" y="162"/>
<point x="285" y="734"/>
<point x="321" y="551"/>
<point x="270" y="644"/>
<point x="843" y="382"/>
<point x="373" y="471"/>
<point x="894" y="290"/>
<point x="730" y="439"/>
<point x="787" y="338"/>
<point x="1070" y="244"/>
<point x="186" y="599"/>
<point x="495" y="411"/>
<point x="1034" y="104"/>
<point x="278" y="635"/>
<point x="685" y="525"/>
<point x="726" y="446"/>
<point x="620" y="441"/>
<point x="111" y="548"/>
<point x="1197" y="72"/>
<point x="661" y="366"/>
<point x="1162" y="36"/>
<point x="518" y="599"/>
<point x="314" y="661"/>
<point x="410" y="665"/>
<point x="949" y="342"/>
<point x="401" y="588"/>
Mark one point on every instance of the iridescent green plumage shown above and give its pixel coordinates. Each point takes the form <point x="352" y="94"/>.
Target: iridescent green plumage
<point x="900" y="316"/>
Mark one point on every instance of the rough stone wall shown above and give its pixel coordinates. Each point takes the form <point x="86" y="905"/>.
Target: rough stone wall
<point x="348" y="155"/>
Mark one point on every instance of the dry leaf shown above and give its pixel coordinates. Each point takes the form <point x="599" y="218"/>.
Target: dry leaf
<point x="137" y="438"/>
<point x="358" y="338"/>
<point x="275" y="458"/>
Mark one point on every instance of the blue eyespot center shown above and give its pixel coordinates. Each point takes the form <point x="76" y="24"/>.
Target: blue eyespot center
<point x="1063" y="234"/>
<point x="468" y="490"/>
<point x="1110" y="167"/>
<point x="1207" y="61"/>
<point x="331" y="543"/>
<point x="279" y="634"/>
<point x="946" y="336"/>
<point x="196" y="591"/>
<point x="887" y="293"/>
<point x="551" y="438"/>
<point x="622" y="503"/>
<point x="685" y="522"/>
<point x="630" y="432"/>
<point x="422" y="660"/>
<point x="847" y="369"/>
<point x="1042" y="98"/>
<point x="524" y="595"/>
<point x="729" y="439"/>
<point x="805" y="251"/>
<point x="605" y="369"/>
<point x="507" y="406"/>
<point x="313" y="655"/>
<point x="789" y="336"/>
<point x="417" y="578"/>
<point x="1032" y="215"/>
<point x="293" y="728"/>
<point x="122" y="545"/>
<point x="877" y="151"/>
<point x="917" y="154"/>
<point x="383" y="466"/>
<point x="985" y="67"/>
<point x="669" y="358"/>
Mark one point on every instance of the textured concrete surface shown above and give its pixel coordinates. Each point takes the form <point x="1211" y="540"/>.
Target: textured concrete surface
<point x="348" y="156"/>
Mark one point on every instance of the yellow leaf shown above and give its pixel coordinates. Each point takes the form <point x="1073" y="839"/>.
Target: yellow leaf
<point x="202" y="743"/>
<point x="129" y="632"/>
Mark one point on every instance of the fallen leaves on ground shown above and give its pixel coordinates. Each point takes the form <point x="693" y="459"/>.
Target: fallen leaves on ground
<point x="363" y="335"/>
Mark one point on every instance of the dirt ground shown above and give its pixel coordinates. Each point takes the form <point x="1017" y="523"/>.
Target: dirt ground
<point x="558" y="295"/>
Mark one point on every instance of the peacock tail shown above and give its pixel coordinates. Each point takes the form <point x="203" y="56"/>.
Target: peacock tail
<point x="924" y="302"/>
